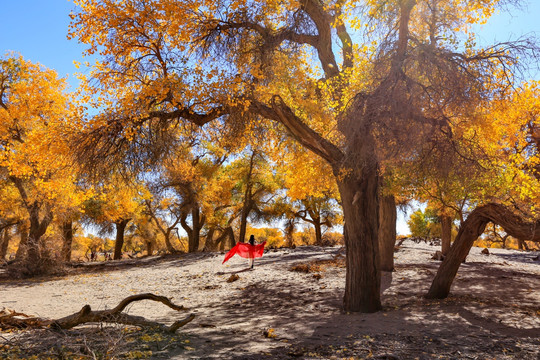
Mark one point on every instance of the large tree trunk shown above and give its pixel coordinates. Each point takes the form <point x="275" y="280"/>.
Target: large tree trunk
<point x="32" y="260"/>
<point x="194" y="232"/>
<point x="360" y="198"/>
<point x="243" y="223"/>
<point x="522" y="245"/>
<point x="119" y="242"/>
<point x="67" y="234"/>
<point x="318" y="231"/>
<point x="195" y="238"/>
<point x="387" y="232"/>
<point x="23" y="240"/>
<point x="209" y="243"/>
<point x="168" y="244"/>
<point x="470" y="230"/>
<point x="446" y="233"/>
<point x="149" y="248"/>
<point x="225" y="245"/>
<point x="289" y="232"/>
<point x="4" y="242"/>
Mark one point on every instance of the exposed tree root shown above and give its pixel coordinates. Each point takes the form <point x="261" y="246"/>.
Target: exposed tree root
<point x="12" y="319"/>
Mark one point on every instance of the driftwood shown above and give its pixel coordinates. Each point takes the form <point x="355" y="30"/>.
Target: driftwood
<point x="87" y="315"/>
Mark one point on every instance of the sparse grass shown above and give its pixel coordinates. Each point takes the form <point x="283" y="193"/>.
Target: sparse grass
<point x="93" y="342"/>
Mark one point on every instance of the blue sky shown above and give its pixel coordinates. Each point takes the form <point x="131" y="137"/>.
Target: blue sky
<point x="37" y="29"/>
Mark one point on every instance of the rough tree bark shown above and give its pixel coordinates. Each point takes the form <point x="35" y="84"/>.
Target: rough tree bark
<point x="119" y="242"/>
<point x="446" y="234"/>
<point x="289" y="232"/>
<point x="38" y="227"/>
<point x="209" y="242"/>
<point x="470" y="230"/>
<point x="23" y="240"/>
<point x="243" y="222"/>
<point x="4" y="242"/>
<point x="67" y="234"/>
<point x="30" y="254"/>
<point x="195" y="239"/>
<point x="5" y="238"/>
<point x="387" y="231"/>
<point x="318" y="231"/>
<point x="223" y="245"/>
<point x="360" y="199"/>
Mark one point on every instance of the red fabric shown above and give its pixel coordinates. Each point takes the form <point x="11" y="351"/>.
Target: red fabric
<point x="245" y="250"/>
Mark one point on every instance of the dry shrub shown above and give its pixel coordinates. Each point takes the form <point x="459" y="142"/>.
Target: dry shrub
<point x="49" y="263"/>
<point x="306" y="268"/>
<point x="316" y="266"/>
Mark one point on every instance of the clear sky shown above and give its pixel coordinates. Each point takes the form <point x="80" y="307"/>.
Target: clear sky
<point x="37" y="29"/>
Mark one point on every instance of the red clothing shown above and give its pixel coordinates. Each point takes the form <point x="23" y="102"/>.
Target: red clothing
<point x="246" y="250"/>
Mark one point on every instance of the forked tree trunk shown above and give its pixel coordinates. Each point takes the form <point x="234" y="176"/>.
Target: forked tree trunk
<point x="360" y="199"/>
<point x="67" y="234"/>
<point x="470" y="230"/>
<point x="33" y="260"/>
<point x="119" y="242"/>
<point x="387" y="231"/>
<point x="446" y="234"/>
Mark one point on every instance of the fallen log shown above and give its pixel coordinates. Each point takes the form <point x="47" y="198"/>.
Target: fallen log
<point x="87" y="315"/>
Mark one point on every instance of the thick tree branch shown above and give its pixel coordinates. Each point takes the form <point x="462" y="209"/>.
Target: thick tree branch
<point x="309" y="138"/>
<point x="322" y="20"/>
<point x="187" y="114"/>
<point x="344" y="38"/>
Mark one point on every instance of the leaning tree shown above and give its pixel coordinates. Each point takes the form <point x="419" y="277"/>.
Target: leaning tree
<point x="358" y="83"/>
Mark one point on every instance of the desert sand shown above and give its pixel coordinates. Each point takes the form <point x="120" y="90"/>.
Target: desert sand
<point x="271" y="312"/>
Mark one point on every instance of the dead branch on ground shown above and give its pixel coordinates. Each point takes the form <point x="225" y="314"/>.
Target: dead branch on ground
<point x="12" y="319"/>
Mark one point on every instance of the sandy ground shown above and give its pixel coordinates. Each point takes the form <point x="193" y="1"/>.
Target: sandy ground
<point x="493" y="312"/>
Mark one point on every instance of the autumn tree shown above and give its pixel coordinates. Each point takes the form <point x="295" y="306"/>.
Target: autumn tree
<point x="114" y="204"/>
<point x="424" y="224"/>
<point x="11" y="215"/>
<point x="160" y="210"/>
<point x="223" y="65"/>
<point x="255" y="187"/>
<point x="35" y="116"/>
<point x="513" y="137"/>
<point x="311" y="190"/>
